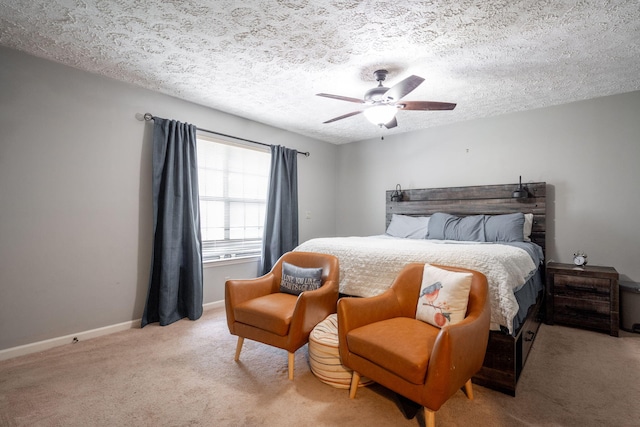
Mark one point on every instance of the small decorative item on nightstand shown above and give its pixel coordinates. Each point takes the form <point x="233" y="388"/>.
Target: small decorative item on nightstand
<point x="580" y="259"/>
<point x="585" y="297"/>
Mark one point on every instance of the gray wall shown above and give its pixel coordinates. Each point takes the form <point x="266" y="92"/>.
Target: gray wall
<point x="75" y="203"/>
<point x="75" y="197"/>
<point x="588" y="153"/>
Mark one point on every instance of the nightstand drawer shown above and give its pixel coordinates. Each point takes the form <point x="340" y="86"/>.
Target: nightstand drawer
<point x="582" y="312"/>
<point x="582" y="287"/>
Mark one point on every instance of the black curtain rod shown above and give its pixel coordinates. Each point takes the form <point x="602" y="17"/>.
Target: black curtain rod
<point x="149" y="116"/>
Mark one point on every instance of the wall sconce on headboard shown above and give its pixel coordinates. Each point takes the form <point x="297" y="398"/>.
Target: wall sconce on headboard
<point x="397" y="196"/>
<point x="520" y="192"/>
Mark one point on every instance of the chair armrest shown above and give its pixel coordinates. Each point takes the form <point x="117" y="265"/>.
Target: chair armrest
<point x="313" y="307"/>
<point x="240" y="290"/>
<point x="458" y="353"/>
<point x="354" y="312"/>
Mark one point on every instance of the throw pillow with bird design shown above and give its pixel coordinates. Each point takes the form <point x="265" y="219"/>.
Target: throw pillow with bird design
<point x="443" y="297"/>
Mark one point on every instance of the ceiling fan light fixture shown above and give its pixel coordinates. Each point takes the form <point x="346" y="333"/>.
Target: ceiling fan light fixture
<point x="380" y="114"/>
<point x="381" y="104"/>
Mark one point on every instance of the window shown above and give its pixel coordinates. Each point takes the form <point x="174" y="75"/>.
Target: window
<point x="233" y="181"/>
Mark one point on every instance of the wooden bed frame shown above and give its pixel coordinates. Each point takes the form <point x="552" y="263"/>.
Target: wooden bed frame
<point x="506" y="354"/>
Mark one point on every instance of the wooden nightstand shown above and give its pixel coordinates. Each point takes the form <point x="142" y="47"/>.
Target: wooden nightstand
<point x="586" y="297"/>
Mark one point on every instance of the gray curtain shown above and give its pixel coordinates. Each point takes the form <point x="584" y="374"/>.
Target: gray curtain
<point x="281" y="219"/>
<point x="175" y="283"/>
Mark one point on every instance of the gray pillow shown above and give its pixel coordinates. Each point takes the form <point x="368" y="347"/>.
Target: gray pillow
<point x="412" y="227"/>
<point x="504" y="228"/>
<point x="444" y="226"/>
<point x="296" y="280"/>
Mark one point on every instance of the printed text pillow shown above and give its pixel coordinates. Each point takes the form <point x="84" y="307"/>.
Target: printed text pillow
<point x="296" y="280"/>
<point x="443" y="297"/>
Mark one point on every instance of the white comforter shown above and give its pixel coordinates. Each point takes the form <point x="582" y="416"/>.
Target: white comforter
<point x="368" y="266"/>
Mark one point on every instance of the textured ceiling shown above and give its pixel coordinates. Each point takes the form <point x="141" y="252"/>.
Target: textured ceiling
<point x="265" y="59"/>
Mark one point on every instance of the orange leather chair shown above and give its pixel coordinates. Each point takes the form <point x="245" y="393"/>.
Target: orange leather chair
<point x="257" y="310"/>
<point x="421" y="362"/>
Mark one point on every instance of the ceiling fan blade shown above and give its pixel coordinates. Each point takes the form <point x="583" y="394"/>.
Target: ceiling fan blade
<point x="393" y="123"/>
<point x="397" y="91"/>
<point x="341" y="98"/>
<point x="344" y="116"/>
<point x="425" y="105"/>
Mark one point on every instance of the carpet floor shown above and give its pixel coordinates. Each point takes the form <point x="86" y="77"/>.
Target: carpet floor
<point x="184" y="375"/>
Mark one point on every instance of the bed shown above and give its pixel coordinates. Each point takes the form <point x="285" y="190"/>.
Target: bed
<point x="515" y="270"/>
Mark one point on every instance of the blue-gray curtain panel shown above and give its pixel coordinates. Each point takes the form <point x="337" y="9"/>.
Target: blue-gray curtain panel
<point x="281" y="219"/>
<point x="175" y="282"/>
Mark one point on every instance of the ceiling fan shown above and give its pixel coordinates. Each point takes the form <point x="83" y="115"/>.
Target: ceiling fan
<point x="382" y="103"/>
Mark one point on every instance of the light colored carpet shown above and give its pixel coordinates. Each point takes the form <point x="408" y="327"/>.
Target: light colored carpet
<point x="184" y="375"/>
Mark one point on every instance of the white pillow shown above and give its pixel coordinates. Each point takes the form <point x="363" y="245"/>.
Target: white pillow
<point x="412" y="227"/>
<point x="528" y="225"/>
<point x="443" y="297"/>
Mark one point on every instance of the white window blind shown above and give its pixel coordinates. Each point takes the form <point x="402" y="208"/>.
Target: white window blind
<point x="233" y="182"/>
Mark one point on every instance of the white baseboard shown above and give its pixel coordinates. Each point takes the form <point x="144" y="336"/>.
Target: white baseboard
<point x="215" y="304"/>
<point x="39" y="346"/>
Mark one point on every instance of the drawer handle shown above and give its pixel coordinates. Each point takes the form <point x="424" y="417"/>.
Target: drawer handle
<point x="529" y="336"/>
<point x="584" y="288"/>
<point x="581" y="311"/>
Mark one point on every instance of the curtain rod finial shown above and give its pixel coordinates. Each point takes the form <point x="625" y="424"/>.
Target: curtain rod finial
<point x="145" y="116"/>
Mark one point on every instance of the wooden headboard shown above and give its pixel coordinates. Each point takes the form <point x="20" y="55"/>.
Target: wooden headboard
<point x="475" y="200"/>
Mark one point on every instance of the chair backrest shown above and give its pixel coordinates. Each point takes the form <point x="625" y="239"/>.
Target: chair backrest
<point x="407" y="284"/>
<point x="328" y="263"/>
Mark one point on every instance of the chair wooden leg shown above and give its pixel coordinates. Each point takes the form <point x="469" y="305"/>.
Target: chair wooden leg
<point x="355" y="380"/>
<point x="291" y="362"/>
<point x="238" y="348"/>
<point x="468" y="389"/>
<point x="429" y="417"/>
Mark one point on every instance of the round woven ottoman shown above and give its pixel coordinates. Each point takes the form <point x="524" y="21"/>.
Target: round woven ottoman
<point x="324" y="358"/>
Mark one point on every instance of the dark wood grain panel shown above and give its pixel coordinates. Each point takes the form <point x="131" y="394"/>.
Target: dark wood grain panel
<point x="480" y="192"/>
<point x="475" y="200"/>
<point x="506" y="355"/>
<point x="593" y="288"/>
